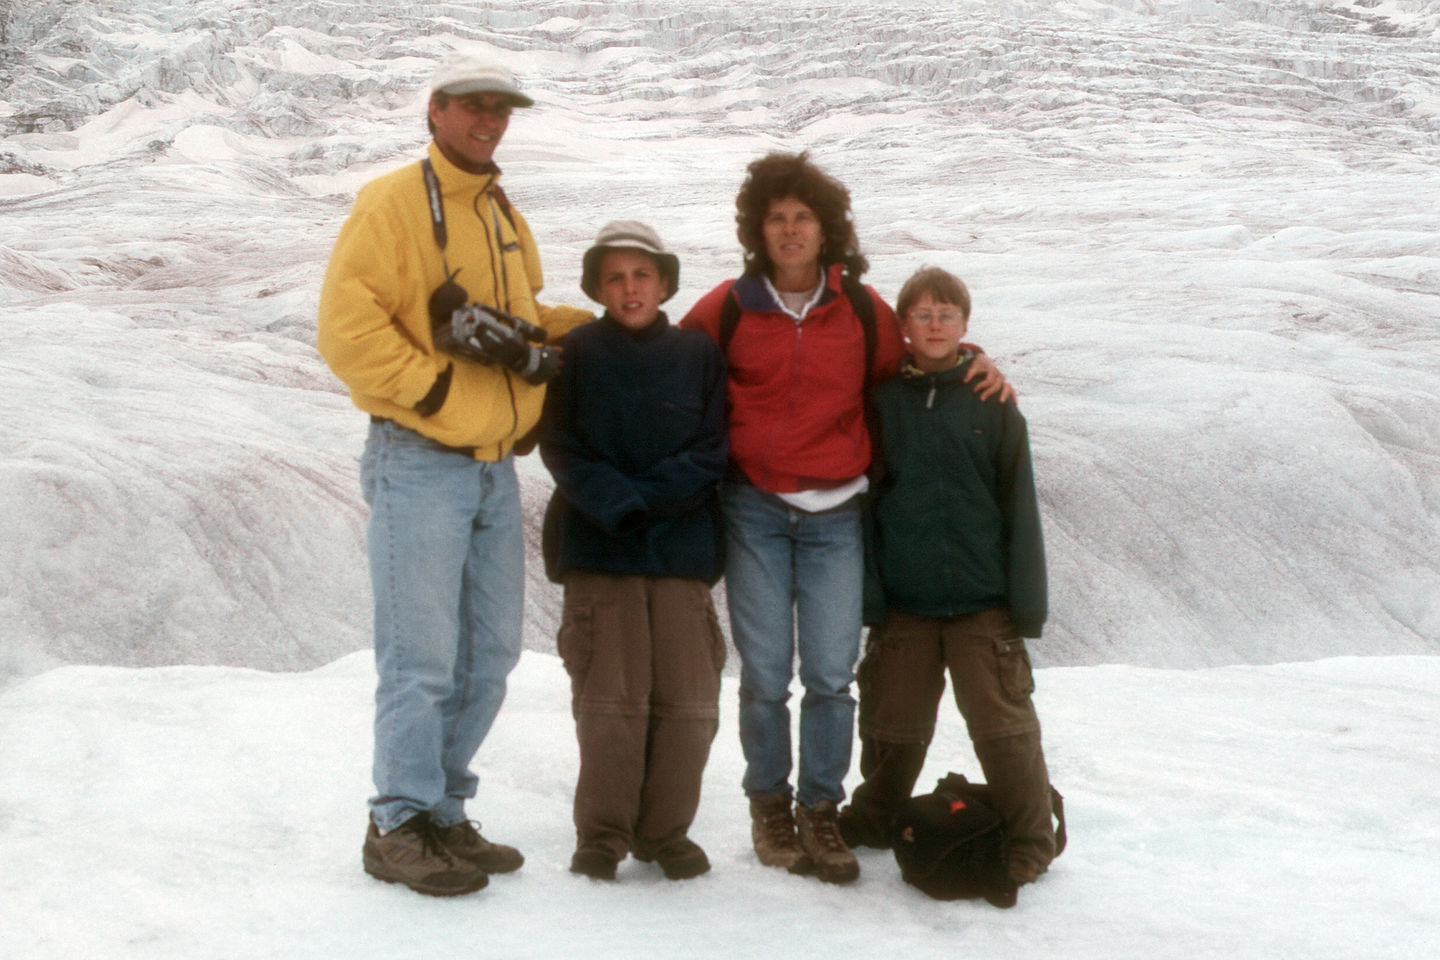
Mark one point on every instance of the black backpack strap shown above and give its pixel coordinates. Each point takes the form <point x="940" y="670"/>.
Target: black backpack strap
<point x="864" y="308"/>
<point x="729" y="320"/>
<point x="860" y="303"/>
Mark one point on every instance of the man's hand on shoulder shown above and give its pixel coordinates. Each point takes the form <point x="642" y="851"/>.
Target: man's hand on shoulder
<point x="987" y="380"/>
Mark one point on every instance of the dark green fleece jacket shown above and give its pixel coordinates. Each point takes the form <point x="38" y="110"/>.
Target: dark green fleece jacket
<point x="956" y="527"/>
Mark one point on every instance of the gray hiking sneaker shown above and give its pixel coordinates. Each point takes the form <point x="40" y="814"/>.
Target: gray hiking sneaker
<point x="413" y="854"/>
<point x="820" y="837"/>
<point x="772" y="828"/>
<point x="464" y="841"/>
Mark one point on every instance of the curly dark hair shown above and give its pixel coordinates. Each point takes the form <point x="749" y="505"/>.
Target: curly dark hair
<point x="776" y="176"/>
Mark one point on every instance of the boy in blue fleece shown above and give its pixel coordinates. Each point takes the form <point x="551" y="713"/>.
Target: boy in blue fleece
<point x="635" y="438"/>
<point x="959" y="561"/>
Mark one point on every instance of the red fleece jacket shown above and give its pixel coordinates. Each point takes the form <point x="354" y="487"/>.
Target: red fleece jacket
<point x="797" y="391"/>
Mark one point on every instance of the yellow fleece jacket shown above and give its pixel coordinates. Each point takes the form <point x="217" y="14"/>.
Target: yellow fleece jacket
<point x="374" y="327"/>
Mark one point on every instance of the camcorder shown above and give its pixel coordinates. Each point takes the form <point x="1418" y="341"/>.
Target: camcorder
<point x="493" y="336"/>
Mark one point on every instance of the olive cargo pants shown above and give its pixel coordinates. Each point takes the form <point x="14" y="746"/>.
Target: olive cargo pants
<point x="644" y="656"/>
<point x="901" y="681"/>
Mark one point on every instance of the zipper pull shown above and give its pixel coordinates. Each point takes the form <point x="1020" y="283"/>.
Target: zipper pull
<point x="930" y="400"/>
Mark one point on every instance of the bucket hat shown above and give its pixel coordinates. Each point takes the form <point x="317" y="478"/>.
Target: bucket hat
<point x="627" y="235"/>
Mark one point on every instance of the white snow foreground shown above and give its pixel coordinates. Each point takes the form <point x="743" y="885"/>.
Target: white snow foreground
<point x="217" y="812"/>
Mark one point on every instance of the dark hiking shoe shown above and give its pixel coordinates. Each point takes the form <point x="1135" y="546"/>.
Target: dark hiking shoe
<point x="820" y="837"/>
<point x="464" y="841"/>
<point x="413" y="854"/>
<point x="1023" y="872"/>
<point x="595" y="863"/>
<point x="680" y="860"/>
<point x="857" y="830"/>
<point x="772" y="829"/>
<point x="1004" y="898"/>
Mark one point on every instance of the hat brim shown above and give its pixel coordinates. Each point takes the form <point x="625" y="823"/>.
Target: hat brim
<point x="590" y="268"/>
<point x="465" y="87"/>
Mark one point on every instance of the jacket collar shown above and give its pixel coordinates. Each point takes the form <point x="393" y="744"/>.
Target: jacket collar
<point x="910" y="372"/>
<point x="454" y="180"/>
<point x="657" y="327"/>
<point x="753" y="295"/>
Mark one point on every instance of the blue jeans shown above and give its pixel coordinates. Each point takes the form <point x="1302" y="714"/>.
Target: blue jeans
<point x="784" y="569"/>
<point x="447" y="564"/>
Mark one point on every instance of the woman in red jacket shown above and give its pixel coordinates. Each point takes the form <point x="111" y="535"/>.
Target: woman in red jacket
<point x="803" y="339"/>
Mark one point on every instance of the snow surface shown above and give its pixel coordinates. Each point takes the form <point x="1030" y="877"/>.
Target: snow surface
<point x="1203" y="241"/>
<point x="1243" y="813"/>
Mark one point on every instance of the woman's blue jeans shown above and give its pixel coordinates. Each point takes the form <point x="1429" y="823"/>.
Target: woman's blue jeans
<point x="447" y="560"/>
<point x="793" y="582"/>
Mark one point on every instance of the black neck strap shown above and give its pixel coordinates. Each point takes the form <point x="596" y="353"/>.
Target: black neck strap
<point x="437" y="211"/>
<point x="437" y="204"/>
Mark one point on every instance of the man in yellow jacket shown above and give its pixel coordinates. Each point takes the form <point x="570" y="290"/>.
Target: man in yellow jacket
<point x="445" y="546"/>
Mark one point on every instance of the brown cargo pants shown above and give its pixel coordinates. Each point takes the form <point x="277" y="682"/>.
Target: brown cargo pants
<point x="644" y="656"/>
<point x="901" y="680"/>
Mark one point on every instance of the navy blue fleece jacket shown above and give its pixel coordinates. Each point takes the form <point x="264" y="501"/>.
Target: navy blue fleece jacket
<point x="634" y="435"/>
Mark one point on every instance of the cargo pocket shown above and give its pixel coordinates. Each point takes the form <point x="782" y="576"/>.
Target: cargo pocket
<point x="1017" y="681"/>
<point x="576" y="639"/>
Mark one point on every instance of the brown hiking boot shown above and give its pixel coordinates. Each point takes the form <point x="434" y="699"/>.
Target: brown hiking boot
<point x="465" y="842"/>
<point x="820" y="836"/>
<point x="413" y="854"/>
<point x="772" y="828"/>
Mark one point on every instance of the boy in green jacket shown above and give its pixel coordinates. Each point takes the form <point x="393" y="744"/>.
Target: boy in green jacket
<point x="958" y="558"/>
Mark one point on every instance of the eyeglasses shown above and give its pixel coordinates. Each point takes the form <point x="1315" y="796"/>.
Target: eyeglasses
<point x="477" y="104"/>
<point x="949" y="318"/>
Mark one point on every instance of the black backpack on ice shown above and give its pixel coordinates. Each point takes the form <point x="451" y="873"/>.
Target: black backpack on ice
<point x="952" y="844"/>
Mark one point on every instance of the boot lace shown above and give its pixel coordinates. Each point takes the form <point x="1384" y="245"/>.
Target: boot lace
<point x="779" y="826"/>
<point x="432" y="843"/>
<point x="466" y="833"/>
<point x="826" y="832"/>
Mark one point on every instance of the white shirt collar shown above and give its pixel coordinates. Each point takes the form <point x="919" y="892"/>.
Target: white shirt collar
<point x="810" y="301"/>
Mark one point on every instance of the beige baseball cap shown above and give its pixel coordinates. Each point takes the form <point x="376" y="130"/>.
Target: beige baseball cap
<point x="463" y="72"/>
